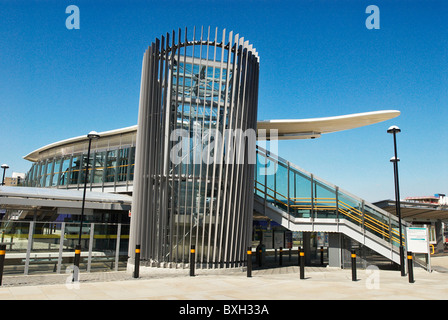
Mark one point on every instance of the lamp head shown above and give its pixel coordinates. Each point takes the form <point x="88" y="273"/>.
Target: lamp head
<point x="93" y="135"/>
<point x="5" y="166"/>
<point x="393" y="129"/>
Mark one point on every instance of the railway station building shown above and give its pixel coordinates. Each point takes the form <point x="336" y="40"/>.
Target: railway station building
<point x="195" y="170"/>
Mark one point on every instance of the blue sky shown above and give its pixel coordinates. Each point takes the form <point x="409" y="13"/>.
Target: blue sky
<point x="317" y="59"/>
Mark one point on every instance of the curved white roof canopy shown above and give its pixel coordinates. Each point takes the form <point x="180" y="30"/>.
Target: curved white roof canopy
<point x="34" y="155"/>
<point x="314" y="127"/>
<point x="287" y="129"/>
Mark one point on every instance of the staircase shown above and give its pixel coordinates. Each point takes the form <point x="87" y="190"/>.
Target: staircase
<point x="299" y="201"/>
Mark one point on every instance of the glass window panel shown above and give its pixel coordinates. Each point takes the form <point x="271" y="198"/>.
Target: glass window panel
<point x="56" y="169"/>
<point x="123" y="161"/>
<point x="302" y="195"/>
<point x="43" y="174"/>
<point x="29" y="176"/>
<point x="110" y="165"/>
<point x="15" y="237"/>
<point x="377" y="223"/>
<point x="46" y="239"/>
<point x="49" y="173"/>
<point x="99" y="167"/>
<point x="74" y="172"/>
<point x="324" y="200"/>
<point x="65" y="171"/>
<point x="37" y="174"/>
<point x="34" y="174"/>
<point x="303" y="186"/>
<point x="131" y="174"/>
<point x="350" y="208"/>
<point x="281" y="182"/>
<point x="84" y="166"/>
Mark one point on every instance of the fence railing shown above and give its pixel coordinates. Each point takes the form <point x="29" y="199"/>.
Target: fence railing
<point x="49" y="247"/>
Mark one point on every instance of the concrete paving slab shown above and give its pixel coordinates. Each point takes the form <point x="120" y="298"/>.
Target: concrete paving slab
<point x="284" y="283"/>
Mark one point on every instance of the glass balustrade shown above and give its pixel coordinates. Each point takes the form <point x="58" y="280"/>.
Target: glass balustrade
<point x="302" y="195"/>
<point x="48" y="247"/>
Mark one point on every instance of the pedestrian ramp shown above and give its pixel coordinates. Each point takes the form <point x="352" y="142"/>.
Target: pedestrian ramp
<point x="300" y="201"/>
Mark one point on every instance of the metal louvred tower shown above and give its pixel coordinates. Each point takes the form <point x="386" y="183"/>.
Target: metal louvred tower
<point x="194" y="168"/>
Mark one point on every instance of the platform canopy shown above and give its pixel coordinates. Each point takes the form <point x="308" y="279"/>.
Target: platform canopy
<point x="315" y="127"/>
<point x="27" y="197"/>
<point x="415" y="211"/>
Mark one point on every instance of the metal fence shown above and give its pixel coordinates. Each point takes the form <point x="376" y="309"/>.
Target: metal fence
<point x="48" y="247"/>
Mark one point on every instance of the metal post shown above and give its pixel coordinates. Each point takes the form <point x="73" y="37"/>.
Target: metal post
<point x="249" y="262"/>
<point x="84" y="193"/>
<point x="302" y="263"/>
<point x="353" y="265"/>
<point x="137" y="261"/>
<point x="410" y="267"/>
<point x="89" y="259"/>
<point x="394" y="130"/>
<point x="2" y="260"/>
<point x="90" y="136"/>
<point x="61" y="247"/>
<point x="29" y="247"/>
<point x="3" y="179"/>
<point x="322" y="255"/>
<point x="4" y="167"/>
<point x="117" y="247"/>
<point x="192" y="260"/>
<point x="398" y="210"/>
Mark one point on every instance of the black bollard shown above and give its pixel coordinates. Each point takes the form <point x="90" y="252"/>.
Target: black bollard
<point x="302" y="263"/>
<point x="410" y="267"/>
<point x="2" y="260"/>
<point x="322" y="255"/>
<point x="137" y="261"/>
<point x="76" y="263"/>
<point x="249" y="262"/>
<point x="192" y="260"/>
<point x="353" y="265"/>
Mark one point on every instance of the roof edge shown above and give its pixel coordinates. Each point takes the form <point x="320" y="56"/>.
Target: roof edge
<point x="33" y="156"/>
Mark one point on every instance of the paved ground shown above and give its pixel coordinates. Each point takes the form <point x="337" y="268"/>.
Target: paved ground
<point x="266" y="284"/>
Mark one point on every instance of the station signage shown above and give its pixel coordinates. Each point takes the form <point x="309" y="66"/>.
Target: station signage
<point x="417" y="240"/>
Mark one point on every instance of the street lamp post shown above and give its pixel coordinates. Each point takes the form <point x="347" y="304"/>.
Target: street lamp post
<point x="4" y="166"/>
<point x="92" y="135"/>
<point x="394" y="130"/>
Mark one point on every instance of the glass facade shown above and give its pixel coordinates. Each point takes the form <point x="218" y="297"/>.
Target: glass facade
<point x="106" y="167"/>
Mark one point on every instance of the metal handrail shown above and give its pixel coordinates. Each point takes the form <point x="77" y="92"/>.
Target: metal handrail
<point x="366" y="221"/>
